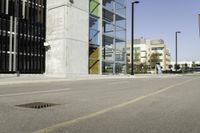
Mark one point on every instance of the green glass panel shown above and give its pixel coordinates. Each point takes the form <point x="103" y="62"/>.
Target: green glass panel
<point x="94" y="61"/>
<point x="94" y="7"/>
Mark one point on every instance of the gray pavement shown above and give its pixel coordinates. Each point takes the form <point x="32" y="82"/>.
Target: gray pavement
<point x="168" y="104"/>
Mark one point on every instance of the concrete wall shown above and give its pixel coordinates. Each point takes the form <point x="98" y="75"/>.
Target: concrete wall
<point x="68" y="36"/>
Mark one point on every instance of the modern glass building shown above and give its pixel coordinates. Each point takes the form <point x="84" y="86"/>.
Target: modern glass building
<point x="107" y="40"/>
<point x="22" y="36"/>
<point x="80" y="37"/>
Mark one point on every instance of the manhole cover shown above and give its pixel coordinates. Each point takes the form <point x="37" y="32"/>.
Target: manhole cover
<point x="37" y="105"/>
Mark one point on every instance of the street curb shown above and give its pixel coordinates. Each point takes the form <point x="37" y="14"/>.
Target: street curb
<point x="83" y="79"/>
<point x="58" y="80"/>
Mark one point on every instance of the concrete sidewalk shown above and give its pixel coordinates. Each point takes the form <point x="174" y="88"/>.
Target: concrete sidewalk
<point x="24" y="79"/>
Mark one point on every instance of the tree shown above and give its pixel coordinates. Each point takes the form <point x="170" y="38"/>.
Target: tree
<point x="170" y="67"/>
<point x="193" y="65"/>
<point x="154" y="59"/>
<point x="137" y="57"/>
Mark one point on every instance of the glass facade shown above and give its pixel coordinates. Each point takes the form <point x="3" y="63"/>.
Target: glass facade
<point x="22" y="36"/>
<point x="113" y="36"/>
<point x="94" y="33"/>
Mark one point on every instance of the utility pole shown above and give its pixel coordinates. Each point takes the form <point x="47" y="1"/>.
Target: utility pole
<point x="132" y="38"/>
<point x="176" y="53"/>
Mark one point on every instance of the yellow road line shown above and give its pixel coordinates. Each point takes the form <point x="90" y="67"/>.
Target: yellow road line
<point x="95" y="114"/>
<point x="116" y="83"/>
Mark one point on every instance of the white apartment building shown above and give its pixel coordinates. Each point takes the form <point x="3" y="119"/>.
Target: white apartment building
<point x="140" y="49"/>
<point x="158" y="46"/>
<point x="143" y="49"/>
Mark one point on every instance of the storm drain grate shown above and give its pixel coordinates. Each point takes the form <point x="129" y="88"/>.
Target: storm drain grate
<point x="37" y="105"/>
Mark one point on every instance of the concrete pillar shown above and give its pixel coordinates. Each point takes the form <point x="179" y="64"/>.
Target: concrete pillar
<point x="68" y="37"/>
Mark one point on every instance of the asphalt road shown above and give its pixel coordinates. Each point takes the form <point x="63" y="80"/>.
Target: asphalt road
<point x="146" y="105"/>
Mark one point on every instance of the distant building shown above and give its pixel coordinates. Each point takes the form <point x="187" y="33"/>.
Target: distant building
<point x="158" y="46"/>
<point x="143" y="49"/>
<point x="140" y="50"/>
<point x="182" y="64"/>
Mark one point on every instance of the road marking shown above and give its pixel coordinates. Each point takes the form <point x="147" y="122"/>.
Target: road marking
<point x="98" y="113"/>
<point x="34" y="92"/>
<point x="115" y="83"/>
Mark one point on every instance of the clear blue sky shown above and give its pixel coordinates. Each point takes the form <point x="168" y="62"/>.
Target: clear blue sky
<point x="159" y="19"/>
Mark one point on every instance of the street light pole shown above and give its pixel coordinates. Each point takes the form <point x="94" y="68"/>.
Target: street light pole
<point x="132" y="38"/>
<point x="176" y="36"/>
